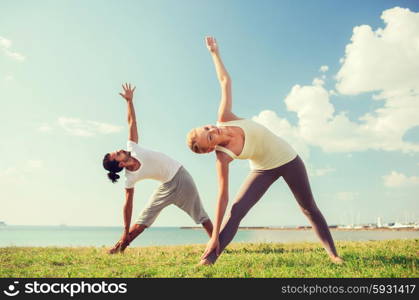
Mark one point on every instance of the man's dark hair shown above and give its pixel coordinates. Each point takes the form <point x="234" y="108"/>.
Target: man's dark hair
<point x="113" y="167"/>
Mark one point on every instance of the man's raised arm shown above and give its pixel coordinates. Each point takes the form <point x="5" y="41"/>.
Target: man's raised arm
<point x="132" y="122"/>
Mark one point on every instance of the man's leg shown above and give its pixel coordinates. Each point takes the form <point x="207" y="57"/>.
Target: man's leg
<point x="189" y="201"/>
<point x="147" y="216"/>
<point x="134" y="232"/>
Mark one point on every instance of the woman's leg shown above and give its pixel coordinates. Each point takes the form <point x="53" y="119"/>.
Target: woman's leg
<point x="295" y="175"/>
<point x="255" y="185"/>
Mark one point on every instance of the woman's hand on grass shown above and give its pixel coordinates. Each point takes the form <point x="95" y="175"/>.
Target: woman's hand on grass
<point x="128" y="92"/>
<point x="213" y="244"/>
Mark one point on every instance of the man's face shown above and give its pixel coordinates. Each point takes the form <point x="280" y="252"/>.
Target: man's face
<point x="120" y="155"/>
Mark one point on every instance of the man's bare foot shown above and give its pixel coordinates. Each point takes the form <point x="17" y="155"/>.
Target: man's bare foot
<point x="113" y="250"/>
<point x="337" y="260"/>
<point x="123" y="247"/>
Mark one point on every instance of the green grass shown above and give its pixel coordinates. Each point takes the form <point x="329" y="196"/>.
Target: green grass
<point x="391" y="258"/>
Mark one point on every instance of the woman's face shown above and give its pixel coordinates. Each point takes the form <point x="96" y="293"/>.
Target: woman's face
<point x="207" y="137"/>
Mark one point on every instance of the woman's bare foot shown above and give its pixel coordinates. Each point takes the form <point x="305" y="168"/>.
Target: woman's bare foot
<point x="337" y="260"/>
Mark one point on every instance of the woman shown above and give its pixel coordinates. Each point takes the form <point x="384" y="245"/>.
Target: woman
<point x="270" y="158"/>
<point x="177" y="186"/>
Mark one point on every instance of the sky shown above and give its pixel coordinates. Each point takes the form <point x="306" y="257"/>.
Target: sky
<point x="338" y="80"/>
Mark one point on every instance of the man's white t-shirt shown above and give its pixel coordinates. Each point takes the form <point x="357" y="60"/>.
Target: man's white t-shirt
<point x="154" y="165"/>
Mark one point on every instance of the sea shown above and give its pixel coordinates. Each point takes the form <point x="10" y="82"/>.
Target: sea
<point x="73" y="236"/>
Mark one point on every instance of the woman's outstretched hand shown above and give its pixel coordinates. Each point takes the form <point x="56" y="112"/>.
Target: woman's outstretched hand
<point x="211" y="44"/>
<point x="128" y="92"/>
<point x="213" y="244"/>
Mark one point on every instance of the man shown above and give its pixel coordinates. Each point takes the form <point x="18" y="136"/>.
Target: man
<point x="177" y="186"/>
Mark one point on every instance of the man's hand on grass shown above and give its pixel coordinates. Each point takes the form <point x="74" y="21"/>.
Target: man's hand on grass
<point x="121" y="245"/>
<point x="115" y="249"/>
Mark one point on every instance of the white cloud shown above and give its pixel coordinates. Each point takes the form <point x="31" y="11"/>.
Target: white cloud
<point x="323" y="171"/>
<point x="324" y="69"/>
<point x="45" y="128"/>
<point x="86" y="128"/>
<point x="12" y="175"/>
<point x="35" y="164"/>
<point x="5" y="43"/>
<point x="15" y="55"/>
<point x="8" y="172"/>
<point x="19" y="174"/>
<point x="318" y="82"/>
<point x="347" y="196"/>
<point x="386" y="61"/>
<point x="396" y="179"/>
<point x="9" y="78"/>
<point x="5" y="46"/>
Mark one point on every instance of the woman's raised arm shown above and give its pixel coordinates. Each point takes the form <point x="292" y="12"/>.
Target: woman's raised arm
<point x="225" y="113"/>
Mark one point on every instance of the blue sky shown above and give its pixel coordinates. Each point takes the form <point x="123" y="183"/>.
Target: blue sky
<point x="62" y="64"/>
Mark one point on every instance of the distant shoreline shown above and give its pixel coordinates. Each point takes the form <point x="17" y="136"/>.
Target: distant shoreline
<point x="297" y="228"/>
<point x="309" y="228"/>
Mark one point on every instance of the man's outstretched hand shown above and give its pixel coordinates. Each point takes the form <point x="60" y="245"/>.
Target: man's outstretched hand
<point x="128" y="92"/>
<point x="121" y="245"/>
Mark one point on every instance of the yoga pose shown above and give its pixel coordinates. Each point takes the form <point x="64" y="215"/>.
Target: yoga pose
<point x="177" y="186"/>
<point x="270" y="158"/>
